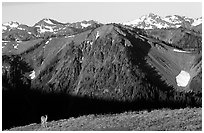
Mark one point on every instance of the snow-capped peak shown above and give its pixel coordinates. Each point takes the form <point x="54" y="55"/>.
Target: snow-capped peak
<point x="152" y="21"/>
<point x="48" y="25"/>
<point x="145" y="19"/>
<point x="48" y="22"/>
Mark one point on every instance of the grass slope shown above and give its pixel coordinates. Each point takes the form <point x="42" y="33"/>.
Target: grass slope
<point x="187" y="119"/>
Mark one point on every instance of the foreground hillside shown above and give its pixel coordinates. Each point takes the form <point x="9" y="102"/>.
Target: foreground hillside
<point x="187" y="119"/>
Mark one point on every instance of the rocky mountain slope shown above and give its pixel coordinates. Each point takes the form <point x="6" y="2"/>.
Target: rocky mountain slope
<point x="95" y="68"/>
<point x="88" y="50"/>
<point x="181" y="38"/>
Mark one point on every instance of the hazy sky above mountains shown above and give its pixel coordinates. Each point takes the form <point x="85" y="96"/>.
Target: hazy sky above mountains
<point x="30" y="12"/>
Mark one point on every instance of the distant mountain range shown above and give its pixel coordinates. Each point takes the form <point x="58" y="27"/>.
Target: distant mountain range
<point x="16" y="31"/>
<point x="48" y="25"/>
<point x="150" y="21"/>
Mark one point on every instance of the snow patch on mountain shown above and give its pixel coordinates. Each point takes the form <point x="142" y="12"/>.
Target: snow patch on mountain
<point x="4" y="27"/>
<point x="9" y="25"/>
<point x="161" y="25"/>
<point x="172" y="19"/>
<point x="12" y="24"/>
<point x="45" y="29"/>
<point x="85" y="25"/>
<point x="148" y="22"/>
<point x="183" y="78"/>
<point x="69" y="36"/>
<point x="32" y="75"/>
<point x="197" y="22"/>
<point x="149" y="27"/>
<point x="47" y="42"/>
<point x="97" y="34"/>
<point x="20" y="28"/>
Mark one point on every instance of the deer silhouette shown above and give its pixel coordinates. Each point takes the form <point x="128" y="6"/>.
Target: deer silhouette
<point x="44" y="121"/>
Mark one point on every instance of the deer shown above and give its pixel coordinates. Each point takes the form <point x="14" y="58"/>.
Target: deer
<point x="44" y="121"/>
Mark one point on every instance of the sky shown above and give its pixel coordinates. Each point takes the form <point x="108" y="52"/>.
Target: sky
<point x="105" y="12"/>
